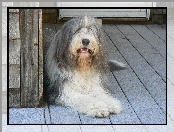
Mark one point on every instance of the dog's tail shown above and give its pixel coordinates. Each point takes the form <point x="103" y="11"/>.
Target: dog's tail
<point x="116" y="65"/>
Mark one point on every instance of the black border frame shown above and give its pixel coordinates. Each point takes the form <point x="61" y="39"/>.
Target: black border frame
<point x="8" y="8"/>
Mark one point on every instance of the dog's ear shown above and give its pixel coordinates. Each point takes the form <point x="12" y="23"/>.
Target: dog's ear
<point x="116" y="65"/>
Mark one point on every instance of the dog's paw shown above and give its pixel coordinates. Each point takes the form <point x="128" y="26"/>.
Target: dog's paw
<point x="98" y="109"/>
<point x="115" y="107"/>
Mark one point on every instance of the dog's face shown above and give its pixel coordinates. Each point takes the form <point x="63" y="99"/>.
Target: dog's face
<point x="82" y="44"/>
<point x="85" y="42"/>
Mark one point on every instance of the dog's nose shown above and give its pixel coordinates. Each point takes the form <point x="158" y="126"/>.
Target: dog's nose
<point x="85" y="42"/>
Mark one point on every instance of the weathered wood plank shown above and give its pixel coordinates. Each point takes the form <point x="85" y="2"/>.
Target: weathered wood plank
<point x="14" y="59"/>
<point x="14" y="25"/>
<point x="29" y="57"/>
<point x="14" y="10"/>
<point x="152" y="38"/>
<point x="14" y="51"/>
<point x="145" y="50"/>
<point x="132" y="87"/>
<point x="158" y="30"/>
<point x="14" y="76"/>
<point x="14" y="97"/>
<point x="62" y="115"/>
<point x="40" y="44"/>
<point x="26" y="116"/>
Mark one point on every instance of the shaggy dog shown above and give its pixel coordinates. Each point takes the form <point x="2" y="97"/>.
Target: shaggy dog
<point x="77" y="66"/>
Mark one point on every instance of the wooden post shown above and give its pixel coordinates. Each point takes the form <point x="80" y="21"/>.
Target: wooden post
<point x="29" y="61"/>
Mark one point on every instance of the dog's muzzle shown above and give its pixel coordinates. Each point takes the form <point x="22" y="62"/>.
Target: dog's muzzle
<point x="84" y="49"/>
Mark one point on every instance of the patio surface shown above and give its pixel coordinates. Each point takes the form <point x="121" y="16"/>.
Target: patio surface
<point x="141" y="88"/>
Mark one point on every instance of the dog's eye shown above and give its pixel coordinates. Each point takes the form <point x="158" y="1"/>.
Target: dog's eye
<point x="93" y="29"/>
<point x="77" y="31"/>
<point x="90" y="29"/>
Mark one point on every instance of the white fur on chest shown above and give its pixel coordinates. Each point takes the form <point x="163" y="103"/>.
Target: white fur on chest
<point x="87" y="83"/>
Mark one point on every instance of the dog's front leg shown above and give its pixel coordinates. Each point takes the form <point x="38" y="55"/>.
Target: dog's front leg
<point x="86" y="104"/>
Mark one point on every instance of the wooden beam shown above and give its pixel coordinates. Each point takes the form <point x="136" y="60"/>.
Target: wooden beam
<point x="29" y="34"/>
